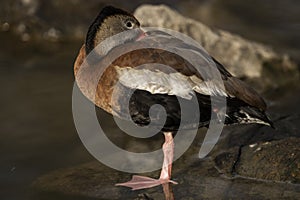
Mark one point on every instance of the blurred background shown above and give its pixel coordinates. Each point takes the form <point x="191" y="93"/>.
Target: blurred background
<point x="39" y="42"/>
<point x="272" y="22"/>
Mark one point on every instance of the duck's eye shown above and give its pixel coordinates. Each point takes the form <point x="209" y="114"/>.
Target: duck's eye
<point x="129" y="25"/>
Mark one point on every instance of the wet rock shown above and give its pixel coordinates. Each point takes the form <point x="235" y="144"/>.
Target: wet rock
<point x="89" y="180"/>
<point x="274" y="160"/>
<point x="249" y="168"/>
<point x="225" y="161"/>
<point x="248" y="162"/>
<point x="95" y="180"/>
<point x="243" y="58"/>
<point x="204" y="187"/>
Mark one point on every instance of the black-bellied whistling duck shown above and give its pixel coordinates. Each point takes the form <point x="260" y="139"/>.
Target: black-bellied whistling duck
<point x="244" y="105"/>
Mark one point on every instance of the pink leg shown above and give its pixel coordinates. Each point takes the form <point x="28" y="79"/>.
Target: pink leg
<point x="142" y="182"/>
<point x="168" y="149"/>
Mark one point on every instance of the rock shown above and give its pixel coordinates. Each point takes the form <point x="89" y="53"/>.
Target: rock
<point x="225" y="161"/>
<point x="274" y="160"/>
<point x="243" y="58"/>
<point x="96" y="181"/>
<point x="248" y="168"/>
<point x="89" y="180"/>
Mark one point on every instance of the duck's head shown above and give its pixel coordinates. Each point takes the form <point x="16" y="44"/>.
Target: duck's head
<point x="110" y="22"/>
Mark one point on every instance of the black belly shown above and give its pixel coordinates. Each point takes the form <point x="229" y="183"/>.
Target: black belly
<point x="179" y="112"/>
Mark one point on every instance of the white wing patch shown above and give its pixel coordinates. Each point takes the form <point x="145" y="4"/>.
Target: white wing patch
<point x="157" y="82"/>
<point x="248" y="119"/>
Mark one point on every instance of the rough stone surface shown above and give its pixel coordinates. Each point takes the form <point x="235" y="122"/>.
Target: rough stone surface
<point x="90" y="180"/>
<point x="241" y="57"/>
<point x="245" y="164"/>
<point x="199" y="181"/>
<point x="275" y="160"/>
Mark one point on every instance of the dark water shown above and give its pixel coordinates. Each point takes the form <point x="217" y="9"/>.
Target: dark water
<point x="37" y="131"/>
<point x="36" y="80"/>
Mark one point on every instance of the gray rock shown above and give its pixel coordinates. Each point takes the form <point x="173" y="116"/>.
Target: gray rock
<point x="89" y="180"/>
<point x="274" y="160"/>
<point x="199" y="181"/>
<point x="244" y="169"/>
<point x="241" y="57"/>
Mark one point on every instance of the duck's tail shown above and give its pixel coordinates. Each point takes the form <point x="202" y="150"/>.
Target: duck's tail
<point x="248" y="115"/>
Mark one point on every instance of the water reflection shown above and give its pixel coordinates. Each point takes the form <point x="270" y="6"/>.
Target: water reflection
<point x="168" y="191"/>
